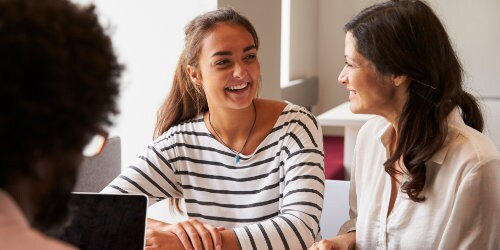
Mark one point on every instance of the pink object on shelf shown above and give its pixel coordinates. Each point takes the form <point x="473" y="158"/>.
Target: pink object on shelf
<point x="334" y="157"/>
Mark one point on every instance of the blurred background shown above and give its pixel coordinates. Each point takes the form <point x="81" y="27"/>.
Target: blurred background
<point x="300" y="40"/>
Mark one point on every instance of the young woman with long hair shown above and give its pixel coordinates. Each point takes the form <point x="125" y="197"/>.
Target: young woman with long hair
<point x="250" y="170"/>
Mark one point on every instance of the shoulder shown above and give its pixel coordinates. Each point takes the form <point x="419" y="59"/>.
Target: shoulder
<point x="373" y="128"/>
<point x="471" y="146"/>
<point x="185" y="131"/>
<point x="285" y="113"/>
<point x="194" y="125"/>
<point x="32" y="239"/>
<point x="466" y="148"/>
<point x="291" y="111"/>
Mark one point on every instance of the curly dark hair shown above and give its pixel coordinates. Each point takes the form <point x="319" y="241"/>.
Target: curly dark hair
<point x="59" y="81"/>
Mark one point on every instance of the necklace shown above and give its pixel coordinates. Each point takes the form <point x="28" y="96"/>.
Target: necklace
<point x="237" y="153"/>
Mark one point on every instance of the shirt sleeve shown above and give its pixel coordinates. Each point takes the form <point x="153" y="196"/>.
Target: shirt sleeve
<point x="474" y="222"/>
<point x="296" y="225"/>
<point x="150" y="174"/>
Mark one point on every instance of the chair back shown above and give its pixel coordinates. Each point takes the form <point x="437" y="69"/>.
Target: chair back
<point x="98" y="171"/>
<point x="335" y="207"/>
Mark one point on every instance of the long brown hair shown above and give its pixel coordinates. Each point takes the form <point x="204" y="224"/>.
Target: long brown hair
<point x="186" y="99"/>
<point x="407" y="38"/>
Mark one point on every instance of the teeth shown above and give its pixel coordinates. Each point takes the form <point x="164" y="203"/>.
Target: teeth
<point x="238" y="87"/>
<point x="353" y="92"/>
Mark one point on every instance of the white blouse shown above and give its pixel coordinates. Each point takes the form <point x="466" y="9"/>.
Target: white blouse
<point x="462" y="192"/>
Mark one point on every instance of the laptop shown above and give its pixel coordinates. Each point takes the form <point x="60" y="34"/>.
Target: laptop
<point x="106" y="221"/>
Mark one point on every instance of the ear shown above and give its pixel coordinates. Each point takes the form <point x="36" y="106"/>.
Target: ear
<point x="400" y="80"/>
<point x="193" y="74"/>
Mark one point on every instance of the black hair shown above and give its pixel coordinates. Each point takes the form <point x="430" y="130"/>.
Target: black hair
<point x="58" y="81"/>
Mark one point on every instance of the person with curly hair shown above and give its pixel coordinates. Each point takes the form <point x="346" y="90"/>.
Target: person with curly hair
<point x="250" y="170"/>
<point x="59" y="80"/>
<point x="424" y="175"/>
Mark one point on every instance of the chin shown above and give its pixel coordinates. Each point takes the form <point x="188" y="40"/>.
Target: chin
<point x="354" y="107"/>
<point x="358" y="108"/>
<point x="242" y="103"/>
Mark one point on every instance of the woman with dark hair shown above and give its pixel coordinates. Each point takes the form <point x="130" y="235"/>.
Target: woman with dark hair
<point x="424" y="176"/>
<point x="250" y="170"/>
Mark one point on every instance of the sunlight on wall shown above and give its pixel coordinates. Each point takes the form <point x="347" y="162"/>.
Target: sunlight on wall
<point x="148" y="38"/>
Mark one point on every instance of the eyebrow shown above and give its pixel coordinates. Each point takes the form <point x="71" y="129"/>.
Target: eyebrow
<point x="227" y="53"/>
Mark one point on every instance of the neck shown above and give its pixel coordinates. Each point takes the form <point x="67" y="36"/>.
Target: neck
<point x="237" y="141"/>
<point x="394" y="108"/>
<point x="232" y="124"/>
<point x="20" y="191"/>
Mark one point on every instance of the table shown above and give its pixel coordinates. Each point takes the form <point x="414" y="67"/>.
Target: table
<point x="341" y="116"/>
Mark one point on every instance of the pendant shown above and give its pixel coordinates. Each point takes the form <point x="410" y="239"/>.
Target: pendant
<point x="237" y="158"/>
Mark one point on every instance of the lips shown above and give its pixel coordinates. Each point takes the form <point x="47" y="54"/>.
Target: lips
<point x="238" y="87"/>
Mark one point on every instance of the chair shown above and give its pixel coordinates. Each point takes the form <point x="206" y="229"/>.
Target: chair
<point x="97" y="172"/>
<point x="335" y="207"/>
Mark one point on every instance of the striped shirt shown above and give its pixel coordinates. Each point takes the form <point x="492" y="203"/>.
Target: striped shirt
<point x="271" y="199"/>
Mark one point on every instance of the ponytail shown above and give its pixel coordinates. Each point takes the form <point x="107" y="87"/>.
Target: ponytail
<point x="471" y="112"/>
<point x="186" y="100"/>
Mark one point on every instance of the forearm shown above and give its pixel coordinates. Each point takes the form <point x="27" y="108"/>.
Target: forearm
<point x="349" y="239"/>
<point x="229" y="240"/>
<point x="152" y="223"/>
<point x="340" y="242"/>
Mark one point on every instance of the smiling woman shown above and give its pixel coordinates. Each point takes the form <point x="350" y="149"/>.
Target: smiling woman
<point x="423" y="167"/>
<point x="250" y="170"/>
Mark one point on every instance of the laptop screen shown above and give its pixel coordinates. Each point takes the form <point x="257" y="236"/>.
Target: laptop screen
<point x="106" y="221"/>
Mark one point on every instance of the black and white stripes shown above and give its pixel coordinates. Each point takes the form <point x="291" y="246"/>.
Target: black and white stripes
<point x="271" y="198"/>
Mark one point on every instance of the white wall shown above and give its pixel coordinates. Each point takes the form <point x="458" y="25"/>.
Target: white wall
<point x="148" y="38"/>
<point x="303" y="39"/>
<point x="474" y="28"/>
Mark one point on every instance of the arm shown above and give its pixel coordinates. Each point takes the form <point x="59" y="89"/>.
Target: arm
<point x="473" y="222"/>
<point x="161" y="235"/>
<point x="152" y="174"/>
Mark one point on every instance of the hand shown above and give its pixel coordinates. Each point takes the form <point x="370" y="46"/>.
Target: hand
<point x="192" y="234"/>
<point x="157" y="240"/>
<point x="341" y="242"/>
<point x="330" y="244"/>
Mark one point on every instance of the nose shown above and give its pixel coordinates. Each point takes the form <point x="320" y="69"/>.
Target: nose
<point x="240" y="70"/>
<point x="342" y="79"/>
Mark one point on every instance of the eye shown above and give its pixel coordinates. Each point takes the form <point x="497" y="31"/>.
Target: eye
<point x="250" y="57"/>
<point x="348" y="64"/>
<point x="222" y="62"/>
